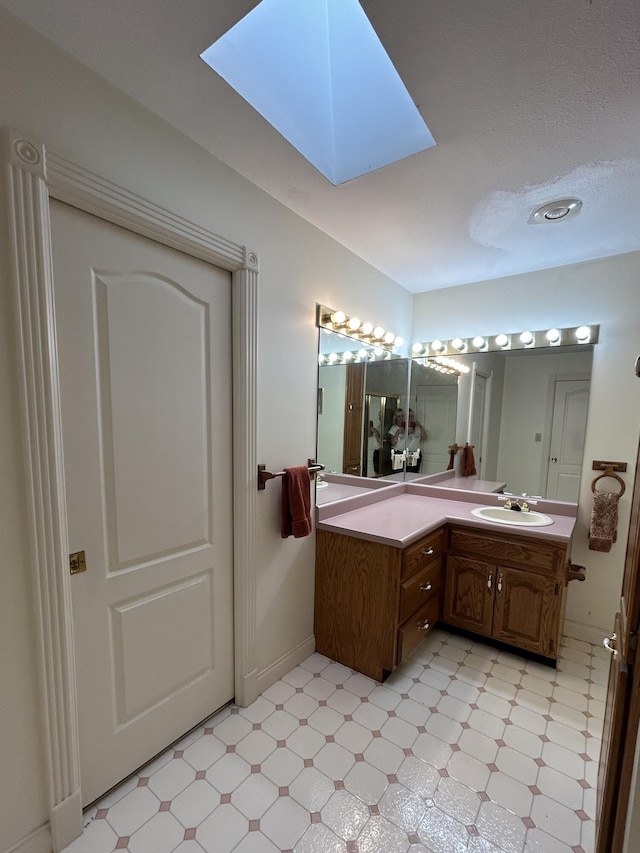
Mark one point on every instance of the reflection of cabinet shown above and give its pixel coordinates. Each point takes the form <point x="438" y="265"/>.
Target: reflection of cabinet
<point x="353" y="425"/>
<point x="507" y="587"/>
<point x="374" y="603"/>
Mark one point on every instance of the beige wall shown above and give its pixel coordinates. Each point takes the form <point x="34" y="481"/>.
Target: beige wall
<point x="49" y="98"/>
<point x="606" y="292"/>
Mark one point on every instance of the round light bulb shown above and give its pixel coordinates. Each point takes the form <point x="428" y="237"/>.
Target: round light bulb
<point x="367" y="328"/>
<point x="362" y="353"/>
<point x="347" y="356"/>
<point x="332" y="357"/>
<point x="398" y="341"/>
<point x="378" y="332"/>
<point x="389" y="338"/>
<point x="321" y="359"/>
<point x="478" y="342"/>
<point x="502" y="341"/>
<point x="526" y="338"/>
<point x="338" y="317"/>
<point x="457" y="344"/>
<point x="437" y="346"/>
<point x="417" y="348"/>
<point x="553" y="336"/>
<point x="353" y="324"/>
<point x="583" y="333"/>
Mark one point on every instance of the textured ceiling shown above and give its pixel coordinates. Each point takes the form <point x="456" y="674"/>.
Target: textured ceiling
<point x="528" y="101"/>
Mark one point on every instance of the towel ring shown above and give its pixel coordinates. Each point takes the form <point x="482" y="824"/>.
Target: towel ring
<point x="609" y="472"/>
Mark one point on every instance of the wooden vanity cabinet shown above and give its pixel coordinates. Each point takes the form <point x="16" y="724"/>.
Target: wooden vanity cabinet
<point x="374" y="603"/>
<point x="506" y="586"/>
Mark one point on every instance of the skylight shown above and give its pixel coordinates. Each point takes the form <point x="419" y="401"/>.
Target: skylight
<point x="316" y="71"/>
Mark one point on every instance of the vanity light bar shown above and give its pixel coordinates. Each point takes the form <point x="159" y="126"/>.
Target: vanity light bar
<point x="570" y="336"/>
<point x="354" y="356"/>
<point x="353" y="327"/>
<point x="444" y="364"/>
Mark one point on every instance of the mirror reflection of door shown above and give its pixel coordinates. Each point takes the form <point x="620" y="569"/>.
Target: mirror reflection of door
<point x="477" y="419"/>
<point x="353" y="419"/>
<point x="569" y="418"/>
<point x="435" y="407"/>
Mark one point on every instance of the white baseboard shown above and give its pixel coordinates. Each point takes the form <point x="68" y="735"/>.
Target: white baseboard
<point x="65" y="821"/>
<point x="270" y="674"/>
<point x="38" y="841"/>
<point x="586" y="633"/>
<point x="246" y="689"/>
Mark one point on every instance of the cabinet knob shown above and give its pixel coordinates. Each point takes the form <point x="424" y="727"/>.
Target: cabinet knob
<point x="425" y="626"/>
<point x="490" y="580"/>
<point x="428" y="552"/>
<point x="500" y="583"/>
<point x="426" y="586"/>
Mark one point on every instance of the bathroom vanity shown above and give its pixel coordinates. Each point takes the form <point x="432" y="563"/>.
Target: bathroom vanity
<point x="391" y="566"/>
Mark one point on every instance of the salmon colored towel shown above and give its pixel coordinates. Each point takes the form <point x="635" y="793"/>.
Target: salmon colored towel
<point x="468" y="463"/>
<point x="604" y="521"/>
<point x="296" y="502"/>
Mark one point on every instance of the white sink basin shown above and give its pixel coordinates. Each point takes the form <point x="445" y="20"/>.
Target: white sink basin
<point x="509" y="516"/>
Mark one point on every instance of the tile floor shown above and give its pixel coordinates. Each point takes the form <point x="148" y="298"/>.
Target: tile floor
<point x="464" y="748"/>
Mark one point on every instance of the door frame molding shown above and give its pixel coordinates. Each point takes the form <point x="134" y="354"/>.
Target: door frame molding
<point x="33" y="177"/>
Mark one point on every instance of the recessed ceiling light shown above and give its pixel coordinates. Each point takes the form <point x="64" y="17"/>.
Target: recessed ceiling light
<point x="555" y="211"/>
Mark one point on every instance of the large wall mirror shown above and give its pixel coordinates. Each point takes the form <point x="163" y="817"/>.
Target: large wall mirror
<point x="525" y="412"/>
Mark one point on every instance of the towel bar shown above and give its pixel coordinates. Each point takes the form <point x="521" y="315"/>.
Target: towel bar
<point x="264" y="475"/>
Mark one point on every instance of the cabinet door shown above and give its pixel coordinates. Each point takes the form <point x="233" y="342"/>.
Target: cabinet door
<point x="469" y="594"/>
<point x="526" y="610"/>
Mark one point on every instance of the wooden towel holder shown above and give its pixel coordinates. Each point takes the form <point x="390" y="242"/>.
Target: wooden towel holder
<point x="609" y="469"/>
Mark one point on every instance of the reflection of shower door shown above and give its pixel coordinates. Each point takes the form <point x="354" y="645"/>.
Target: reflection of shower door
<point x="435" y="407"/>
<point x="378" y="414"/>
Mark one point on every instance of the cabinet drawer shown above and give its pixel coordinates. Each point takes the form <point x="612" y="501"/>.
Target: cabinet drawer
<point x="416" y="556"/>
<point x="418" y="589"/>
<point x="507" y="549"/>
<point x="417" y="627"/>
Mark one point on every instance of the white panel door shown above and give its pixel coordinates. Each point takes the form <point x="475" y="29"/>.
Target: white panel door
<point x="570" y="406"/>
<point x="477" y="419"/>
<point x="435" y="407"/>
<point x="145" y="364"/>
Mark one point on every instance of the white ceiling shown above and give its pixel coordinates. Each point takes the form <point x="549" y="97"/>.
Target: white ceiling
<point x="528" y="100"/>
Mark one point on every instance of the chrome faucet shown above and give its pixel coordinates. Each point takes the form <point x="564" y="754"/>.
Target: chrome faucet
<point x="515" y="505"/>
